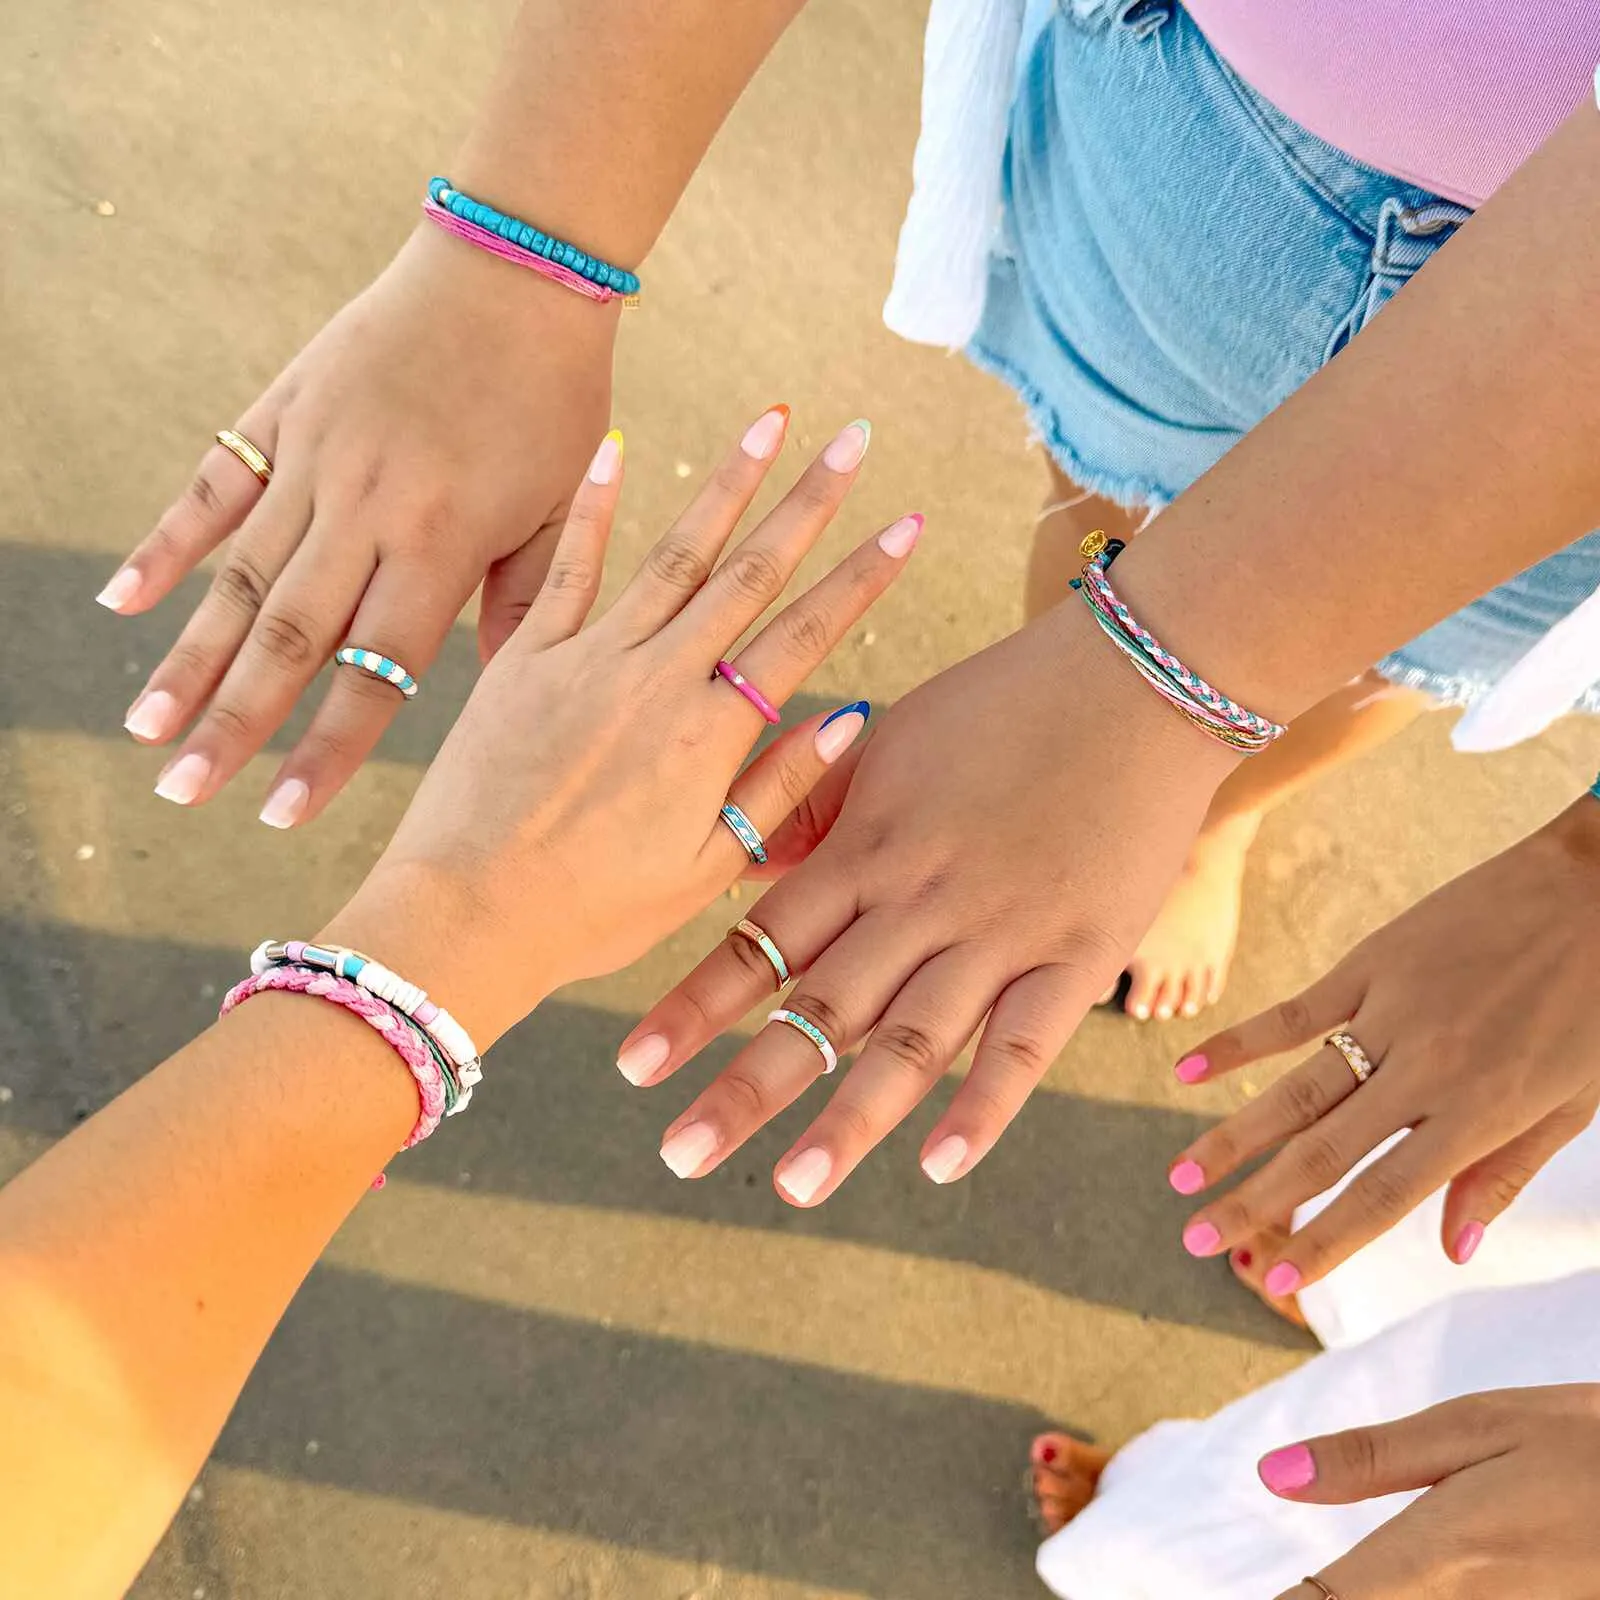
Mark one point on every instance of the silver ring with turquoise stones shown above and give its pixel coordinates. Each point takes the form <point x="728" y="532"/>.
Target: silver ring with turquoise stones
<point x="793" y="1019"/>
<point x="746" y="832"/>
<point x="378" y="666"/>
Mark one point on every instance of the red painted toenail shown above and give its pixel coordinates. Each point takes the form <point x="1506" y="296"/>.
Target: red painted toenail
<point x="1049" y="1454"/>
<point x="1243" y="1258"/>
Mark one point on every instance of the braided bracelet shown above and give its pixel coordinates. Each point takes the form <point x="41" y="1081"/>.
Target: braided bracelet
<point x="1202" y="705"/>
<point x="407" y="1040"/>
<point x="514" y="240"/>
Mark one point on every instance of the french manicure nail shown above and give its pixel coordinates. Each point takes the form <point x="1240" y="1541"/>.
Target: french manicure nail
<point x="182" y="782"/>
<point x="841" y="730"/>
<point x="1202" y="1239"/>
<point x="1164" y="1012"/>
<point x="900" y="538"/>
<point x="1288" y="1471"/>
<point x="765" y="434"/>
<point x="153" y="715"/>
<point x="689" y="1148"/>
<point x="121" y="591"/>
<point x="1467" y="1242"/>
<point x="846" y="451"/>
<point x="641" y="1060"/>
<point x="806" y="1174"/>
<point x="946" y="1158"/>
<point x="1188" y="1177"/>
<point x="1283" y="1280"/>
<point x="1191" y="1069"/>
<point x="286" y="804"/>
<point x="607" y="458"/>
<point x="1141" y="1013"/>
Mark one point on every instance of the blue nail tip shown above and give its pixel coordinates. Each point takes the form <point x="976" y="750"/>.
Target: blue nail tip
<point x="862" y="708"/>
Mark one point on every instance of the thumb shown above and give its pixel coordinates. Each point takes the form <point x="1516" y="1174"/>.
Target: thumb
<point x="810" y="821"/>
<point x="1391" y="1458"/>
<point x="513" y="584"/>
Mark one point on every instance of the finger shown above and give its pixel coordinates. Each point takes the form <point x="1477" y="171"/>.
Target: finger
<point x="681" y="562"/>
<point x="724" y="986"/>
<point x="1028" y="1028"/>
<point x="1299" y="1100"/>
<point x="511" y="586"/>
<point x="1483" y="1191"/>
<point x="811" y="821"/>
<point x="922" y="1030"/>
<point x="789" y="649"/>
<point x="221" y="494"/>
<point x="358" y="707"/>
<point x="256" y="554"/>
<point x="1314" y="1012"/>
<point x="297" y="629"/>
<point x="572" y="583"/>
<point x="842" y="996"/>
<point x="1394" y="1457"/>
<point x="761" y="565"/>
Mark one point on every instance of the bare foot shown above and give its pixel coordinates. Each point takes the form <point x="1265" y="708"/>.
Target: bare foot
<point x="1066" y="1473"/>
<point x="1182" y="962"/>
<point x="1249" y="1263"/>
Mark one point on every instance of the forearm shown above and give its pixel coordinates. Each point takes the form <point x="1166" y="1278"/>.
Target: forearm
<point x="1451" y="446"/>
<point x="603" y="109"/>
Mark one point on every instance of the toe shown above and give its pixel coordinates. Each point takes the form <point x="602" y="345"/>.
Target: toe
<point x="1141" y="1001"/>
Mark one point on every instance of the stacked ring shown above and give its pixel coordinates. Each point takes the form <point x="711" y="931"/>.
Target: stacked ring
<point x="763" y="942"/>
<point x="730" y="674"/>
<point x="746" y="832"/>
<point x="1357" y="1059"/>
<point x="248" y="453"/>
<point x="793" y="1019"/>
<point x="369" y="661"/>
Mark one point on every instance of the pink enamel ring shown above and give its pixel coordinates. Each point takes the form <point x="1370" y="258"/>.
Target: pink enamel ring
<point x="731" y="674"/>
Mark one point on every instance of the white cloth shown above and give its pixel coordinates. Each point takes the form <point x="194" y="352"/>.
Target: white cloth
<point x="1181" y="1511"/>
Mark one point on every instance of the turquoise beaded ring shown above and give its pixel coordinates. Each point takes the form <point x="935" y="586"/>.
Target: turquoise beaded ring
<point x="378" y="666"/>
<point x="793" y="1019"/>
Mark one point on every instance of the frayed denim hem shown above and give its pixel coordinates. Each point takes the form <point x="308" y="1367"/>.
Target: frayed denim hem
<point x="1131" y="493"/>
<point x="1459" y="691"/>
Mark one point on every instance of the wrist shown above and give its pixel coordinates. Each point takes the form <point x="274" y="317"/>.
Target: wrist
<point x="1575" y="832"/>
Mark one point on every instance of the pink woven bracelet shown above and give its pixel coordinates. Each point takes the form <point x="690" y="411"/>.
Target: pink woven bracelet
<point x="507" y="251"/>
<point x="379" y="1016"/>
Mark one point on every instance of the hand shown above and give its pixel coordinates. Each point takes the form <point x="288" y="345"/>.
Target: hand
<point x="570" y="820"/>
<point x="1477" y="1007"/>
<point x="433" y="432"/>
<point x="1007" y="836"/>
<point x="1511" y="1479"/>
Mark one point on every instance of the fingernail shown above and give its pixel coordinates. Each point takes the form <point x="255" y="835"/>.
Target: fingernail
<point x="807" y="1173"/>
<point x="846" y="451"/>
<point x="946" y="1158"/>
<point x="182" y="782"/>
<point x="1288" y="1471"/>
<point x="1191" y="1069"/>
<point x="841" y="730"/>
<point x="153" y="715"/>
<point x="286" y="804"/>
<point x="121" y="590"/>
<point x="1202" y="1239"/>
<point x="900" y="538"/>
<point x="765" y="434"/>
<point x="689" y="1148"/>
<point x="1467" y="1242"/>
<point x="1188" y="1177"/>
<point x="1283" y="1280"/>
<point x="640" y="1060"/>
<point x="607" y="458"/>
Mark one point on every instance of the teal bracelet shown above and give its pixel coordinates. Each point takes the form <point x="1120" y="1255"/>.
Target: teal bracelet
<point x="527" y="237"/>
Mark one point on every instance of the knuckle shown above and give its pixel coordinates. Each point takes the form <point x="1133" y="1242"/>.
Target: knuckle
<point x="747" y="956"/>
<point x="569" y="576"/>
<point x="1504" y="1185"/>
<point x="1360" y="1454"/>
<point x="241" y="585"/>
<point x="678" y="564"/>
<point x="1088" y="951"/>
<point x="1291" y="1019"/>
<point x="729" y="482"/>
<point x="823" y="1014"/>
<point x="1317" y="1161"/>
<point x="747" y="1094"/>
<point x="858" y="1123"/>
<point x="232" y="722"/>
<point x="1383" y="1192"/>
<point x="286" y="638"/>
<point x="191" y="664"/>
<point x="814" y="496"/>
<point x="912" y="1047"/>
<point x="1017" y="1053"/>
<point x="805" y="631"/>
<point x="1301" y="1099"/>
<point x="202" y="496"/>
<point x="754" y="574"/>
<point x="794" y="778"/>
<point x="371" y="480"/>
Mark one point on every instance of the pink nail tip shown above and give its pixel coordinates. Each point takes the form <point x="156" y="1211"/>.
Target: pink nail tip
<point x="1283" y="1280"/>
<point x="1202" y="1239"/>
<point x="1467" y="1242"/>
<point x="900" y="538"/>
<point x="1191" y="1069"/>
<point x="1288" y="1471"/>
<point x="1188" y="1177"/>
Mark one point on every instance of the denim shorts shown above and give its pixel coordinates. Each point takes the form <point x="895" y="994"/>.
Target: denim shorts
<point x="1178" y="257"/>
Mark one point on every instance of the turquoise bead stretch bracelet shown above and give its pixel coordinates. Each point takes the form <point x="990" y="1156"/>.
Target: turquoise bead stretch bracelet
<point x="526" y="237"/>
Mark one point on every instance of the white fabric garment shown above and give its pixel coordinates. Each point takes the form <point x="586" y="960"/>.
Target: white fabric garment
<point x="970" y="58"/>
<point x="1181" y="1511"/>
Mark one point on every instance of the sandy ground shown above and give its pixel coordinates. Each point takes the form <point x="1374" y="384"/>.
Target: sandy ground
<point x="537" y="1366"/>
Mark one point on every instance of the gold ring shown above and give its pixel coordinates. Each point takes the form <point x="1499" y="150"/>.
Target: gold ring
<point x="252" y="457"/>
<point x="763" y="942"/>
<point x="1358" y="1061"/>
<point x="1321" y="1588"/>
